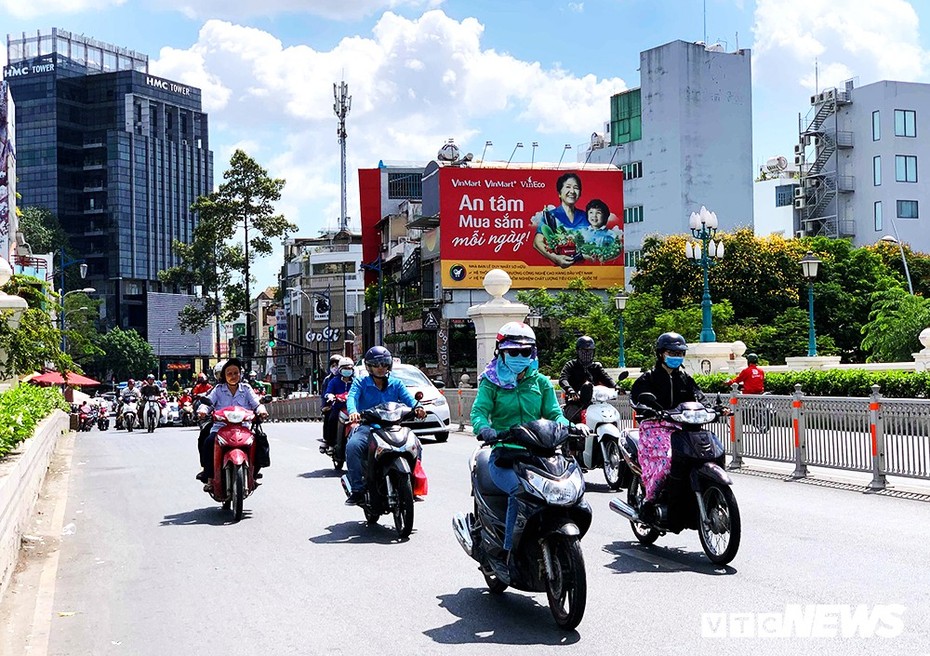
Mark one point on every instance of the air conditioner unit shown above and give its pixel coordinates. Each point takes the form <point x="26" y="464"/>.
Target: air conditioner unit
<point x="816" y="142"/>
<point x="799" y="192"/>
<point x="829" y="94"/>
<point x="799" y="160"/>
<point x="821" y="97"/>
<point x="800" y="203"/>
<point x="799" y="233"/>
<point x="799" y="148"/>
<point x="814" y="99"/>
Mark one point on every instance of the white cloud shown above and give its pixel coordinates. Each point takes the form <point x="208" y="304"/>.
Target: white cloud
<point x="333" y="9"/>
<point x="414" y="83"/>
<point x="33" y="8"/>
<point x="577" y="7"/>
<point x="863" y="38"/>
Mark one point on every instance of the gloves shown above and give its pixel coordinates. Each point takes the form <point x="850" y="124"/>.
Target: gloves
<point x="487" y="434"/>
<point x="583" y="429"/>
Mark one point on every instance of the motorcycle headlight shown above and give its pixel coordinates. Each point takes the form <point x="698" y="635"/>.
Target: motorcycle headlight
<point x="235" y="416"/>
<point x="699" y="416"/>
<point x="439" y="401"/>
<point x="564" y="492"/>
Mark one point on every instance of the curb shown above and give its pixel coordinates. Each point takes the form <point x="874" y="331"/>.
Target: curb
<point x="21" y="476"/>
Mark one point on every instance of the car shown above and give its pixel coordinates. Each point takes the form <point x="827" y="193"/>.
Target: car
<point x="438" y="417"/>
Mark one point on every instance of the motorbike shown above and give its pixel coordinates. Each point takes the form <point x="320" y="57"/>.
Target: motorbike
<point x="172" y="414"/>
<point x="87" y="418"/>
<point x="129" y="413"/>
<point x="187" y="414"/>
<point x="601" y="447"/>
<point x="343" y="430"/>
<point x="553" y="517"/>
<point x="103" y="417"/>
<point x="151" y="413"/>
<point x="698" y="492"/>
<point x="234" y="452"/>
<point x="388" y="471"/>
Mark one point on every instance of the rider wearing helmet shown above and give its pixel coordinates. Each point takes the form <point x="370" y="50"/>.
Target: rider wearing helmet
<point x="511" y="391"/>
<point x="150" y="388"/>
<point x="331" y="372"/>
<point x="129" y="390"/>
<point x="366" y="392"/>
<point x="671" y="386"/>
<point x="339" y="385"/>
<point x="579" y="376"/>
<point x="752" y="377"/>
<point x="202" y="386"/>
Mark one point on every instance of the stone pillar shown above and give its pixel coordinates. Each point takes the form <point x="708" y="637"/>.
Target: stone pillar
<point x="489" y="317"/>
<point x="8" y="379"/>
<point x="715" y="357"/>
<point x="922" y="357"/>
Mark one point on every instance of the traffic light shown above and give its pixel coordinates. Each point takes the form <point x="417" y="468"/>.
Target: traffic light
<point x="270" y="336"/>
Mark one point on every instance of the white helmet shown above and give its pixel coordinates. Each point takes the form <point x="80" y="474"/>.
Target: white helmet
<point x="345" y="362"/>
<point x="515" y="333"/>
<point x="218" y="368"/>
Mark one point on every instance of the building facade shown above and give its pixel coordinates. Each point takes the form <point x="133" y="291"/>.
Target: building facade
<point x="683" y="139"/>
<point x="860" y="152"/>
<point x="117" y="154"/>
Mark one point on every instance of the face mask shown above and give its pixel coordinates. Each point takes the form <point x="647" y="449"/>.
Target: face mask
<point x="585" y="356"/>
<point x="346" y="373"/>
<point x="673" y="362"/>
<point x="334" y="370"/>
<point x="517" y="363"/>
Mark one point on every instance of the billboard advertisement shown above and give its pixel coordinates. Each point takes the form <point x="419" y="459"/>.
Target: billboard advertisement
<point x="8" y="222"/>
<point x="544" y="227"/>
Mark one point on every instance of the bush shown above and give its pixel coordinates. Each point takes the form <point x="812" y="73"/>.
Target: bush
<point x="22" y="408"/>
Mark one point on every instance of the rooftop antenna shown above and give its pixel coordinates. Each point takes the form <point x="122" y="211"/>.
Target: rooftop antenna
<point x="519" y="145"/>
<point x="533" y="160"/>
<point x="564" y="148"/>
<point x="816" y="77"/>
<point x="341" y="107"/>
<point x="486" y="144"/>
<point x="705" y="22"/>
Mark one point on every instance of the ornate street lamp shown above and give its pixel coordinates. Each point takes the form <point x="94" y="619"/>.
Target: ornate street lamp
<point x="703" y="226"/>
<point x="809" y="266"/>
<point x="620" y="304"/>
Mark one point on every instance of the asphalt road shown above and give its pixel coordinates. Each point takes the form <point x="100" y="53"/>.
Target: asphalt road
<point x="150" y="565"/>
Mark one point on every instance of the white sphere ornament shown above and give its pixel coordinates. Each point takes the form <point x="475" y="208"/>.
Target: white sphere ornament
<point x="496" y="283"/>
<point x="924" y="337"/>
<point x="738" y="348"/>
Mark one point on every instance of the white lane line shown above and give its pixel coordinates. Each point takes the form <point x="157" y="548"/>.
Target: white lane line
<point x="37" y="641"/>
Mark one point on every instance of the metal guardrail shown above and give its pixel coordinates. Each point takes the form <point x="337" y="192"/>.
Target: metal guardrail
<point x="865" y="434"/>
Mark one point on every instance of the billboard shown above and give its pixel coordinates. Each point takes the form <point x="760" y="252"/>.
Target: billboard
<point x="8" y="222"/>
<point x="544" y="227"/>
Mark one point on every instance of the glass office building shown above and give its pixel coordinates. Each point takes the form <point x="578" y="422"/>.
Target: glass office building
<point x="117" y="154"/>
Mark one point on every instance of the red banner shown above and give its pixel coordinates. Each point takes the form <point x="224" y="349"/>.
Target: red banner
<point x="544" y="227"/>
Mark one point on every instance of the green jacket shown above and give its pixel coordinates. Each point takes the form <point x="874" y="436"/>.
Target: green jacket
<point x="533" y="398"/>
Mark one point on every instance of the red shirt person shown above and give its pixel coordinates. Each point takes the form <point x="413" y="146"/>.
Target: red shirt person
<point x="752" y="377"/>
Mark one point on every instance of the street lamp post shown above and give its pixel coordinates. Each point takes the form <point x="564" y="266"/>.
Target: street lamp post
<point x="158" y="354"/>
<point x="620" y="304"/>
<point x="894" y="240"/>
<point x="62" y="294"/>
<point x="809" y="266"/>
<point x="329" y="314"/>
<point x="703" y="226"/>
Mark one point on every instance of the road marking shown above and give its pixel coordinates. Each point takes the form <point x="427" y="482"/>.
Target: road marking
<point x="37" y="640"/>
<point x="658" y="561"/>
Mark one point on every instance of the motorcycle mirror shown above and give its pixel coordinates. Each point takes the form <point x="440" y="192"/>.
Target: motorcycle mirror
<point x="623" y="375"/>
<point x="266" y="398"/>
<point x="648" y="399"/>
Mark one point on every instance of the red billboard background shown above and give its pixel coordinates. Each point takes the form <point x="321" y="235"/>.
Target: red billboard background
<point x="519" y="221"/>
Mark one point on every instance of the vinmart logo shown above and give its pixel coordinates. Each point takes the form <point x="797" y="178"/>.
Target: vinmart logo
<point x="809" y="621"/>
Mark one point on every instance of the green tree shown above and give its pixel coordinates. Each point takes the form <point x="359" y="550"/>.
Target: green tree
<point x="81" y="312"/>
<point x="127" y="355"/>
<point x="896" y="319"/>
<point x="35" y="341"/>
<point x="41" y="229"/>
<point x="236" y="223"/>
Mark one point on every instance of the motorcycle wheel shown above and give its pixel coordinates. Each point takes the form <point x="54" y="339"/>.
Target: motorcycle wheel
<point x="339" y="454"/>
<point x="720" y="539"/>
<point x="612" y="464"/>
<point x="634" y="497"/>
<point x="129" y="423"/>
<point x="495" y="585"/>
<point x="237" y="494"/>
<point x="568" y="589"/>
<point x="442" y="436"/>
<point x="403" y="507"/>
<point x="151" y="422"/>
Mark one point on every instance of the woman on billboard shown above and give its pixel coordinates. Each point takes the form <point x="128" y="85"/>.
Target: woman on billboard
<point x="591" y="234"/>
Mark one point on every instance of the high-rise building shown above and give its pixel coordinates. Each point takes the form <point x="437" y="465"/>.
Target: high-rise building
<point x="683" y="139"/>
<point x="119" y="156"/>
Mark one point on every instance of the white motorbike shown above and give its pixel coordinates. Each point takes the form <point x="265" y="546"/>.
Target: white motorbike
<point x="172" y="414"/>
<point x="129" y="412"/>
<point x="151" y="414"/>
<point x="601" y="447"/>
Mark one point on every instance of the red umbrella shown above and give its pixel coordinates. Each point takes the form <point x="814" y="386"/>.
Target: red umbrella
<point x="54" y="378"/>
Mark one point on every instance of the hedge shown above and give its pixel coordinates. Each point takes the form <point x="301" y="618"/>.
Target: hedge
<point x="832" y="382"/>
<point x="22" y="408"/>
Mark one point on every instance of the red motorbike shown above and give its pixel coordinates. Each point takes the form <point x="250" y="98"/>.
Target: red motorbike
<point x="234" y="452"/>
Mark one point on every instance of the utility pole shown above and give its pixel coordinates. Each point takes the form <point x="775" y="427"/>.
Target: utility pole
<point x="341" y="107"/>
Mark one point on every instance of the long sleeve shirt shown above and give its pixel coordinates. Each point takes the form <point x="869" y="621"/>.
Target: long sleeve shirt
<point x="364" y="394"/>
<point x="533" y="398"/>
<point x="574" y="375"/>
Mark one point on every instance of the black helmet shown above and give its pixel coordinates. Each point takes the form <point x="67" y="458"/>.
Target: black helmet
<point x="378" y="355"/>
<point x="584" y="349"/>
<point x="670" y="342"/>
<point x="752" y="358"/>
<point x="231" y="362"/>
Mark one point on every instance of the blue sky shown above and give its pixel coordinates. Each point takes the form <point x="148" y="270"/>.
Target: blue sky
<point x="422" y="71"/>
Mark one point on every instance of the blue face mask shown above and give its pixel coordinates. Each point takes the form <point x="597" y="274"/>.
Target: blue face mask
<point x="346" y="373"/>
<point x="517" y="363"/>
<point x="673" y="362"/>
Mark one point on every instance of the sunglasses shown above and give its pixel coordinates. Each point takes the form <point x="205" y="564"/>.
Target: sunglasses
<point x="676" y="354"/>
<point x="525" y="352"/>
<point x="378" y="363"/>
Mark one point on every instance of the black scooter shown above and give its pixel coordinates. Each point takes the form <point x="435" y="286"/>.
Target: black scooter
<point x="553" y="517"/>
<point x="697" y="494"/>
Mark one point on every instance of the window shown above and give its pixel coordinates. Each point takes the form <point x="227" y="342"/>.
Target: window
<point x="907" y="209"/>
<point x="877" y="170"/>
<point x="407" y="186"/>
<point x="632" y="170"/>
<point x="877" y="215"/>
<point x="905" y="123"/>
<point x="632" y="258"/>
<point x="784" y="195"/>
<point x="633" y="214"/>
<point x="876" y="127"/>
<point x="905" y="168"/>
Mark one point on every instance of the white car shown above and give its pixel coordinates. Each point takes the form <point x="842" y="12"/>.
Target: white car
<point x="438" y="416"/>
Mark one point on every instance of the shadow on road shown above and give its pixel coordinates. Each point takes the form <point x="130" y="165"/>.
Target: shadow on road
<point x="211" y="516"/>
<point x="511" y="618"/>
<point x="631" y="556"/>
<point x="328" y="472"/>
<point x="358" y="533"/>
